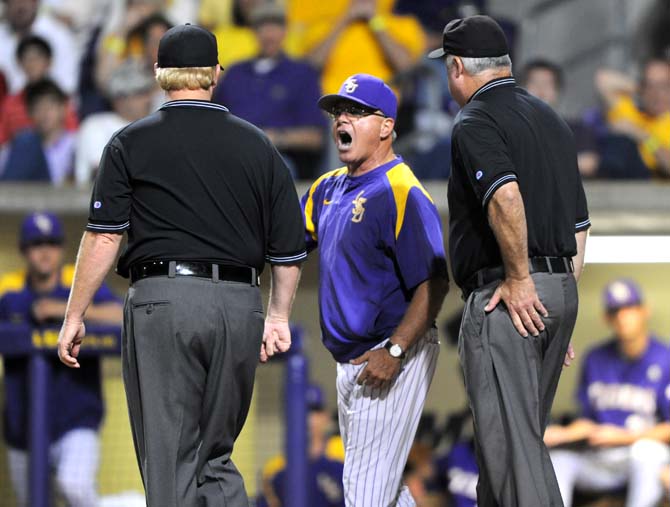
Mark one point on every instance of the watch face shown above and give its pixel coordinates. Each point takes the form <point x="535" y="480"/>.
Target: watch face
<point x="395" y="350"/>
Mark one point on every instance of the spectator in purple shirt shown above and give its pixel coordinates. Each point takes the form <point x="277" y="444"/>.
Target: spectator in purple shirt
<point x="277" y="94"/>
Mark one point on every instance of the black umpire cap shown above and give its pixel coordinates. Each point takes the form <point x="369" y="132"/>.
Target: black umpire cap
<point x="472" y="37"/>
<point x="187" y="46"/>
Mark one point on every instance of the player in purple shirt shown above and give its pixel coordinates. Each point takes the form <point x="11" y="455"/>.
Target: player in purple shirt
<point x="383" y="280"/>
<point x="624" y="399"/>
<point x="38" y="296"/>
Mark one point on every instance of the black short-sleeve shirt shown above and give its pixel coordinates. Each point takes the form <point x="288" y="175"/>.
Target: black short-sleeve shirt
<point x="503" y="135"/>
<point x="193" y="182"/>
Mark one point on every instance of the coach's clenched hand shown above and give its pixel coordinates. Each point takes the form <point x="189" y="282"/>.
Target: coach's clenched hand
<point x="380" y="370"/>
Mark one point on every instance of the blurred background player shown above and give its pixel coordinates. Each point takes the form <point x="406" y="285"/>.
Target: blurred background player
<point x="455" y="471"/>
<point x="624" y="396"/>
<point x="326" y="462"/>
<point x="289" y="115"/>
<point x="37" y="296"/>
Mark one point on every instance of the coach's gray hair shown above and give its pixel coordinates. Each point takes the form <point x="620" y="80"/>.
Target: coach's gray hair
<point x="475" y="66"/>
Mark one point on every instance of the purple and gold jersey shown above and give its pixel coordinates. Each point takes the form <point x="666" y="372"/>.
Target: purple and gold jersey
<point x="457" y="474"/>
<point x="78" y="389"/>
<point x="634" y="394"/>
<point x="379" y="236"/>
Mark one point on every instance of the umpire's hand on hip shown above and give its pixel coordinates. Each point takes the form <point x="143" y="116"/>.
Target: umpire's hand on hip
<point x="69" y="342"/>
<point x="381" y="369"/>
<point x="276" y="337"/>
<point x="523" y="304"/>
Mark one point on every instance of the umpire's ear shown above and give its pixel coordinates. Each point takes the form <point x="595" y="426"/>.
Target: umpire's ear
<point x="387" y="126"/>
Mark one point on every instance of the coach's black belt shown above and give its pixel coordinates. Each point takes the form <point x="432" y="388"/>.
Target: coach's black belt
<point x="215" y="271"/>
<point x="535" y="264"/>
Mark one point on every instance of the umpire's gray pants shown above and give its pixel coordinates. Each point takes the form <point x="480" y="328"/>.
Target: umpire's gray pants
<point x="190" y="351"/>
<point x="511" y="382"/>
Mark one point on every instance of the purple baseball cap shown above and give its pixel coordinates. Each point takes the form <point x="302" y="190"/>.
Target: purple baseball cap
<point x="620" y="294"/>
<point x="41" y="227"/>
<point x="314" y="397"/>
<point x="364" y="89"/>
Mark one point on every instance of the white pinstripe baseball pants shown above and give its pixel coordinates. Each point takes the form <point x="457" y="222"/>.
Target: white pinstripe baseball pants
<point x="378" y="427"/>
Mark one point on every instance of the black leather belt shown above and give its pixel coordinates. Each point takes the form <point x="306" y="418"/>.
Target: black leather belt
<point x="215" y="271"/>
<point x="535" y="264"/>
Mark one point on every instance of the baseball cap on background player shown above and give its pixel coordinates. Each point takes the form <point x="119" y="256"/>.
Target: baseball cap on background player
<point x="40" y="228"/>
<point x="621" y="293"/>
<point x="366" y="90"/>
<point x="187" y="46"/>
<point x="472" y="37"/>
<point x="315" y="398"/>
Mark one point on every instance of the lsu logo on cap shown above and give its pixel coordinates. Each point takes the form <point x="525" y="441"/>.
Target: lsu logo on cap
<point x="350" y="85"/>
<point x="44" y="224"/>
<point x="620" y="292"/>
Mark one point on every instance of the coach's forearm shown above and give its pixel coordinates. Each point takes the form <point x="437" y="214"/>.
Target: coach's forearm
<point x="507" y="218"/>
<point x="421" y="312"/>
<point x="96" y="256"/>
<point x="284" y="283"/>
<point x="578" y="260"/>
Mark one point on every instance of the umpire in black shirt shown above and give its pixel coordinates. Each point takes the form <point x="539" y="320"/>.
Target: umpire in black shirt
<point x="517" y="232"/>
<point x="206" y="201"/>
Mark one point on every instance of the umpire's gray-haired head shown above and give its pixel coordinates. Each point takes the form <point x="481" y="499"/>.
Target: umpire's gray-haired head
<point x="474" y="66"/>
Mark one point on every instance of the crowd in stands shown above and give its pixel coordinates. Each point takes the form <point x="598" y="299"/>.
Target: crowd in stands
<point x="71" y="73"/>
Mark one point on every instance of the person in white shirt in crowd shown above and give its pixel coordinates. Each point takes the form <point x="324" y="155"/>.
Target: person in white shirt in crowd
<point x="129" y="90"/>
<point x="22" y="17"/>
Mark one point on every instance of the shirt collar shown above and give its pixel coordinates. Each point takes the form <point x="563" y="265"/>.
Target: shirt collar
<point x="204" y="104"/>
<point x="501" y="81"/>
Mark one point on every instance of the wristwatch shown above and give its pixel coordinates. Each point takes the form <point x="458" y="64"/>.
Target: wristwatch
<point x="395" y="350"/>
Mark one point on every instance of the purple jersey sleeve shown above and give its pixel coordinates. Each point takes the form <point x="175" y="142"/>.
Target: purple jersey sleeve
<point x="585" y="409"/>
<point x="419" y="246"/>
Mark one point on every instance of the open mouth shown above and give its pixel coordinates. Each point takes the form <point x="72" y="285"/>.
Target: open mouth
<point x="344" y="140"/>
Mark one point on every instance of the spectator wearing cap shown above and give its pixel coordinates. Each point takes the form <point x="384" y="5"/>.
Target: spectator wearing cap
<point x="623" y="429"/>
<point x="35" y="57"/>
<point x="287" y="90"/>
<point x="22" y="18"/>
<point x="37" y="296"/>
<point x="326" y="456"/>
<point x="383" y="278"/>
<point x="130" y="91"/>
<point x="46" y="151"/>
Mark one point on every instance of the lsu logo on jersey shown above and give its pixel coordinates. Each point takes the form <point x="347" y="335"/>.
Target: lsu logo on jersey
<point x="358" y="210"/>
